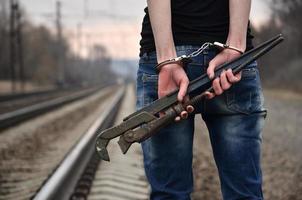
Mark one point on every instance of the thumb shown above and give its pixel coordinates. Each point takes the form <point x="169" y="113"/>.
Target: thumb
<point x="211" y="68"/>
<point x="183" y="86"/>
<point x="218" y="60"/>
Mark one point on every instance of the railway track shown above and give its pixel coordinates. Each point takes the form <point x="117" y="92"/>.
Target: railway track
<point x="124" y="177"/>
<point x="64" y="166"/>
<point x="54" y="159"/>
<point x="14" y="96"/>
<point x="121" y="179"/>
<point x="11" y="102"/>
<point x="13" y="112"/>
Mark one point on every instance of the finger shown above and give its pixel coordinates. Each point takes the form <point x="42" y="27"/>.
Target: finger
<point x="211" y="68"/>
<point x="182" y="89"/>
<point x="218" y="60"/>
<point x="161" y="114"/>
<point x="239" y="75"/>
<point x="186" y="99"/>
<point x="231" y="77"/>
<point x="177" y="119"/>
<point x="224" y="81"/>
<point x="184" y="114"/>
<point x="209" y="95"/>
<point x="160" y="93"/>
<point x="216" y="86"/>
<point x="190" y="109"/>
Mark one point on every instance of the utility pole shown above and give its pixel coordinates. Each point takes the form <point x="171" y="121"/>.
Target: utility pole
<point x="79" y="40"/>
<point x="12" y="38"/>
<point x="60" y="51"/>
<point x="20" y="47"/>
<point x="58" y="19"/>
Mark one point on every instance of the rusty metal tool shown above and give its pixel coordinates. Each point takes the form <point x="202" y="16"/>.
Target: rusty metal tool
<point x="146" y="122"/>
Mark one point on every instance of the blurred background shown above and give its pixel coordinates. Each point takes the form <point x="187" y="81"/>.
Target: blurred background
<point x="77" y="42"/>
<point x="50" y="45"/>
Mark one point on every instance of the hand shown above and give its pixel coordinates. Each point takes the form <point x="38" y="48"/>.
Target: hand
<point x="170" y="78"/>
<point x="227" y="78"/>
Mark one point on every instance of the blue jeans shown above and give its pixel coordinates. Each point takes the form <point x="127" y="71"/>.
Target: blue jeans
<point x="234" y="120"/>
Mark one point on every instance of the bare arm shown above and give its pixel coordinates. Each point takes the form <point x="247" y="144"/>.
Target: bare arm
<point x="239" y="16"/>
<point x="171" y="76"/>
<point x="160" y="16"/>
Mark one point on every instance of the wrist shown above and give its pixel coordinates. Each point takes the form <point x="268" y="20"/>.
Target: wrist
<point x="237" y="42"/>
<point x="161" y="59"/>
<point x="228" y="47"/>
<point x="232" y="52"/>
<point x="176" y="62"/>
<point x="165" y="54"/>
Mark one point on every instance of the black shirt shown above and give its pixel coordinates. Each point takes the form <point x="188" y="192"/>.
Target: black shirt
<point x="193" y="23"/>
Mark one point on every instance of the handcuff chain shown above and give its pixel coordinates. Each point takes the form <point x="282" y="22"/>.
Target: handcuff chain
<point x="184" y="59"/>
<point x="200" y="50"/>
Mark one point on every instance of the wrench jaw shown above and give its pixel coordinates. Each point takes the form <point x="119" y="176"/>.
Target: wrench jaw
<point x="127" y="126"/>
<point x="145" y="131"/>
<point x="124" y="145"/>
<point x="128" y="138"/>
<point x="101" y="148"/>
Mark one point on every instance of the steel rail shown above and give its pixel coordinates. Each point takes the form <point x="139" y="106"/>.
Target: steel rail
<point x="15" y="96"/>
<point x="61" y="184"/>
<point x="22" y="114"/>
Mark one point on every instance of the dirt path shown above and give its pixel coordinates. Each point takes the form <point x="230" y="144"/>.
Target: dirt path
<point x="281" y="158"/>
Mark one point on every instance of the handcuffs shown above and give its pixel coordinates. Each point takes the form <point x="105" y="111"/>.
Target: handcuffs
<point x="184" y="59"/>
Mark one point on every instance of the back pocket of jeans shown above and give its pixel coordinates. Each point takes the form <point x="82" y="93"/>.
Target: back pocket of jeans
<point x="150" y="86"/>
<point x="246" y="96"/>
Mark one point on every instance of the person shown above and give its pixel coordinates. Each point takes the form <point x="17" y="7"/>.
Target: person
<point x="233" y="113"/>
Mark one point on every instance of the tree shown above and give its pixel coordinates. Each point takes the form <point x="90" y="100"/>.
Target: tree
<point x="282" y="68"/>
<point x="4" y="38"/>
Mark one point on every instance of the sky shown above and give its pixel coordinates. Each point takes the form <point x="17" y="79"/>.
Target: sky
<point x="115" y="24"/>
